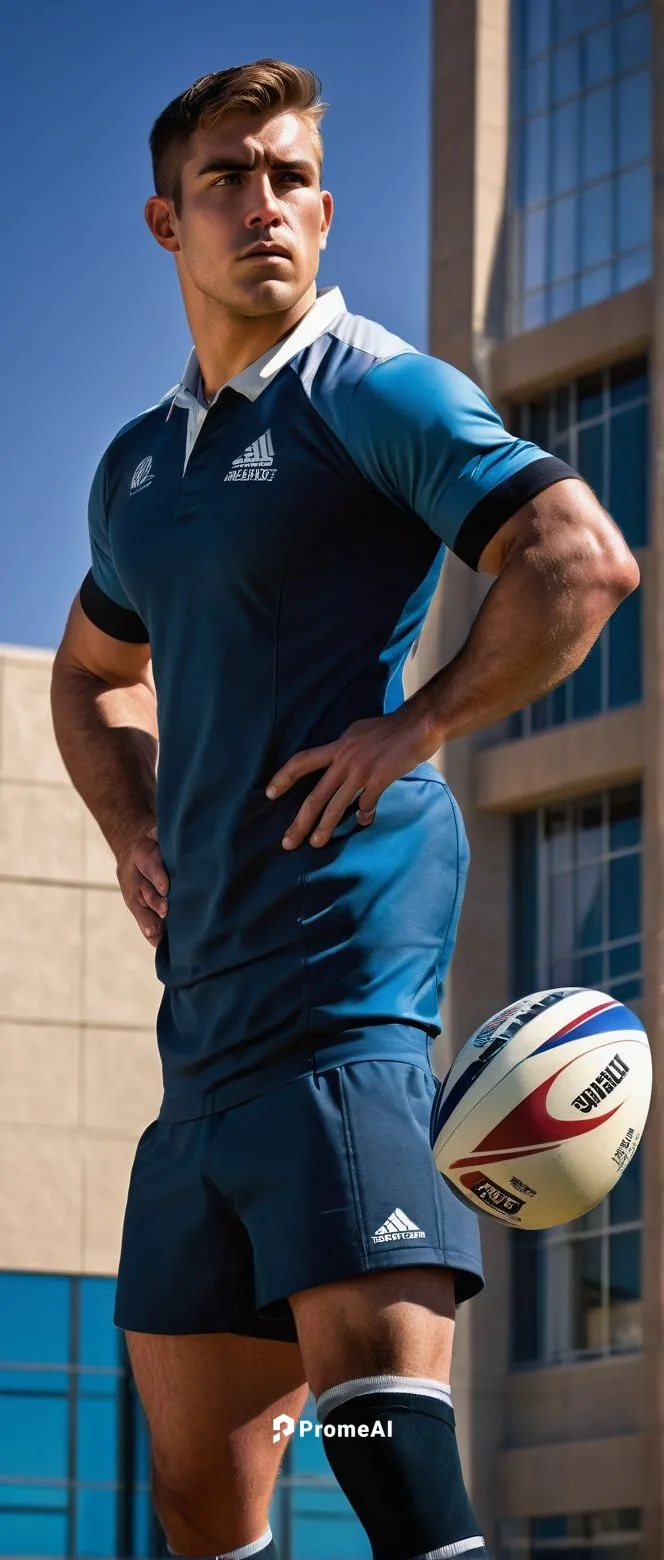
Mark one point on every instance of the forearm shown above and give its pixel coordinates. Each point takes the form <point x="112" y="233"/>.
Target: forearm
<point x="107" y="737"/>
<point x="534" y="628"/>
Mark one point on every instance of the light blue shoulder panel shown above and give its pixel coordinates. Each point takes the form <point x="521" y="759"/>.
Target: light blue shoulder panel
<point x="418" y="429"/>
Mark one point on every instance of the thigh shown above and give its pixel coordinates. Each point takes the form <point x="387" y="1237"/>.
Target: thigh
<point x="210" y="1400"/>
<point x="396" y="1322"/>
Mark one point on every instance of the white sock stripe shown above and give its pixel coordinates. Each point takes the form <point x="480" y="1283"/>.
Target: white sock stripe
<point x="248" y="1549"/>
<point x="420" y="1386"/>
<point x="448" y="1551"/>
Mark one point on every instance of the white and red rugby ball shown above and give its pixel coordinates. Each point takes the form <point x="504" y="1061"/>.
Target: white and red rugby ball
<point x="544" y="1107"/>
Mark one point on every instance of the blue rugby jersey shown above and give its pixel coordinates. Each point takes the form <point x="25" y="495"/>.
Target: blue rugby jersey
<point x="278" y="550"/>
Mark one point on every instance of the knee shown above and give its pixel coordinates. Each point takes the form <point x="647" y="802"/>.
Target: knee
<point x="183" y="1500"/>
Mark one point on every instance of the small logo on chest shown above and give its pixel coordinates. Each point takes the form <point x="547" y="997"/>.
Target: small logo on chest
<point x="257" y="463"/>
<point x="143" y="475"/>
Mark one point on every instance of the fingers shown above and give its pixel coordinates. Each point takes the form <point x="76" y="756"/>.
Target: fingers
<point x="151" y="922"/>
<point x="301" y="764"/>
<point x="148" y="858"/>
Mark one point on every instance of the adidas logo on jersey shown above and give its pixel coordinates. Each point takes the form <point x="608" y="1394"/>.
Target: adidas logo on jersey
<point x="257" y="463"/>
<point x="143" y="475"/>
<point x="398" y="1227"/>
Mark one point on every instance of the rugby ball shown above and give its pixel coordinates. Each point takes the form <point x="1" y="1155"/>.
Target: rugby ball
<point x="544" y="1107"/>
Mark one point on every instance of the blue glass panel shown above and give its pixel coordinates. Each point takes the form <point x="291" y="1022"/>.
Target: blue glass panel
<point x="549" y="1527"/>
<point x="99" y="1339"/>
<point x="524" y="907"/>
<point x="624" y="634"/>
<point x="97" y="1453"/>
<point x="48" y="1497"/>
<point x="590" y="458"/>
<point x="626" y="990"/>
<point x="635" y="208"/>
<point x="558" y="701"/>
<point x="599" y="56"/>
<point x="96" y="1522"/>
<point x="539" y="421"/>
<point x="589" y="970"/>
<point x="33" y="1437"/>
<point x="536" y="86"/>
<point x="589" y="397"/>
<point x="588" y="830"/>
<point x="625" y="1267"/>
<point x="628" y="473"/>
<point x="527" y="1297"/>
<point x="588" y="928"/>
<point x="596" y="153"/>
<point x="537" y="20"/>
<point x="535" y="241"/>
<point x="539" y="714"/>
<point x="595" y="285"/>
<point x="140" y="1516"/>
<point x="34" y="1317"/>
<point x="628" y="381"/>
<point x="634" y="40"/>
<point x="625" y="959"/>
<point x="625" y="1199"/>
<point x="624" y="817"/>
<point x="597" y="223"/>
<point x="563" y="218"/>
<point x="633" y="269"/>
<point x="566" y="72"/>
<point x="624" y="896"/>
<point x="565" y="132"/>
<point x="561" y="916"/>
<point x="33" y="1533"/>
<point x="587" y="685"/>
<point x="562" y="410"/>
<point x="633" y="118"/>
<point x="558" y="839"/>
<point x="534" y="142"/>
<point x="575" y="16"/>
<point x="534" y="311"/>
<point x="515" y="726"/>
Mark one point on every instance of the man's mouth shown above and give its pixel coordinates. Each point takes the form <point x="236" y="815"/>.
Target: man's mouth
<point x="266" y="252"/>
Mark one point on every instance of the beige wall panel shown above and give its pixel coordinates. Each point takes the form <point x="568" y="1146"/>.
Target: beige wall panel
<point x="615" y="328"/>
<point x="604" y="751"/>
<point x="41" y="831"/>
<point x="40" y="1075"/>
<point x="578" y="1476"/>
<point x="40" y="1200"/>
<point x="122" y="1084"/>
<point x="107" y="1166"/>
<point x="29" y="750"/>
<point x="99" y="861"/>
<point x="40" y="952"/>
<point x="573" y="1402"/>
<point x="119" y="982"/>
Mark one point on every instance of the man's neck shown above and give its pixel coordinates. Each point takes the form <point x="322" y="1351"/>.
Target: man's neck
<point x="227" y="345"/>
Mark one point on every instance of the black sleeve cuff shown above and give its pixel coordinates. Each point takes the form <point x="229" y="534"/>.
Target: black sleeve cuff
<point x="117" y="621"/>
<point x="503" y="501"/>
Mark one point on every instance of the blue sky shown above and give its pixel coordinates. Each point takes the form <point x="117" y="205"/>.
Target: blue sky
<point x="94" y="329"/>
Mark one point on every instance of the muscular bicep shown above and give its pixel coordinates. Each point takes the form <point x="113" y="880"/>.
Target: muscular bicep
<point x="567" y="526"/>
<point x="89" y="648"/>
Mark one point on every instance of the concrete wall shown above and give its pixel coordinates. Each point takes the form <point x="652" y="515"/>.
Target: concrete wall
<point x="79" y="1070"/>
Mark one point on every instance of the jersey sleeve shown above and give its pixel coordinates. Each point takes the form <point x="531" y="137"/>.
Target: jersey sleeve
<point x="429" y="438"/>
<point x="102" y="597"/>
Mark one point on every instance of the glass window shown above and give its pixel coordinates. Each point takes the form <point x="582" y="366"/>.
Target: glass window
<point x="68" y="1429"/>
<point x="599" y="423"/>
<point x="573" y="1537"/>
<point x="576" y="903"/>
<point x="580" y="126"/>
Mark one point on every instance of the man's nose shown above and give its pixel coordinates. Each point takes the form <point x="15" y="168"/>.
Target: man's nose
<point x="264" y="207"/>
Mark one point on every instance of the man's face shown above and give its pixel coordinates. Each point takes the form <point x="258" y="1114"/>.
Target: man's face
<point x="251" y="182"/>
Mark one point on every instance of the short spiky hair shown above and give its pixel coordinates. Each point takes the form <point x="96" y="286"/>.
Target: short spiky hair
<point x="263" y="87"/>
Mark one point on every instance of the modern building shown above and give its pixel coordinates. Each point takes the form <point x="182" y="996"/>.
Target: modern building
<point x="547" y="286"/>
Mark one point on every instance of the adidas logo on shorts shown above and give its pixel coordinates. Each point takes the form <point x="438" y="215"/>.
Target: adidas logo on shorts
<point x="398" y="1227"/>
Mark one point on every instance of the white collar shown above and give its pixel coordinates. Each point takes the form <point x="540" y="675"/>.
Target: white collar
<point x="254" y="379"/>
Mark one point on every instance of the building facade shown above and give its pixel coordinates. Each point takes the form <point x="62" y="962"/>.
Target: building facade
<point x="547" y="287"/>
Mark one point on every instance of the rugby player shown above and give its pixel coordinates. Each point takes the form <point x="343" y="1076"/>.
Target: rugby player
<point x="265" y="543"/>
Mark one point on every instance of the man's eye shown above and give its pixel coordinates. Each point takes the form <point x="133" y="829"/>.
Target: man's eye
<point x="224" y="178"/>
